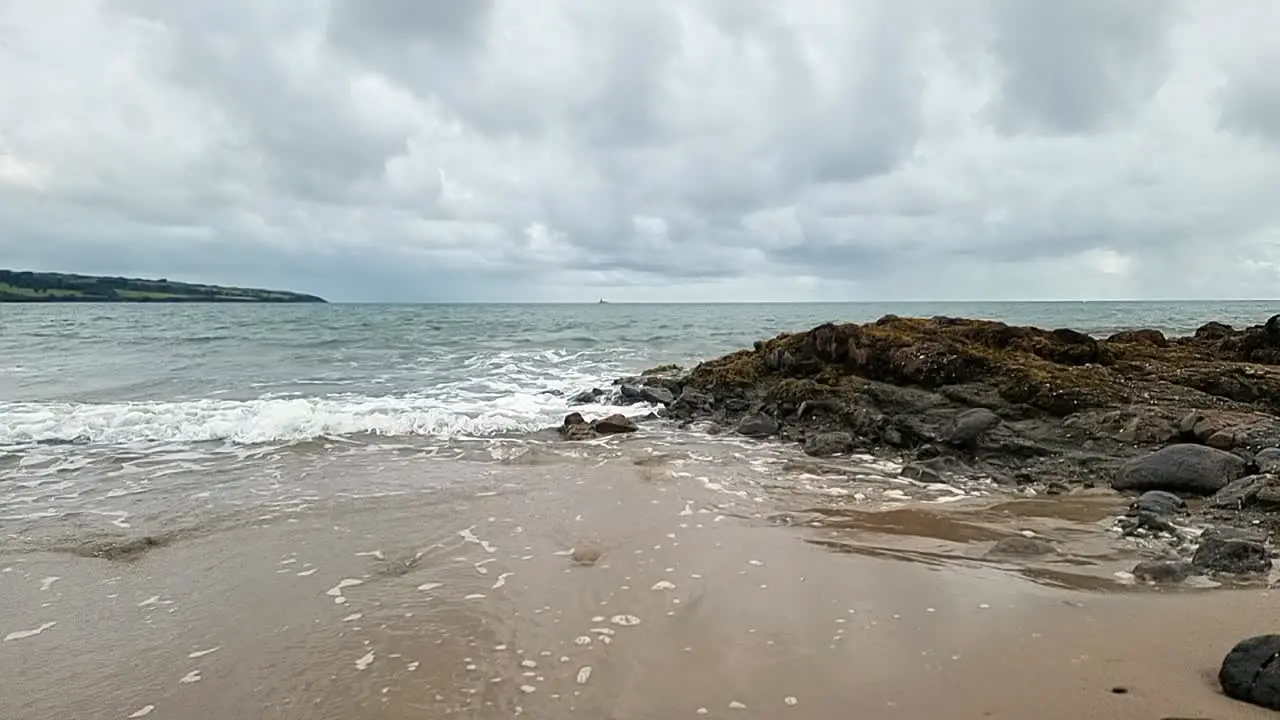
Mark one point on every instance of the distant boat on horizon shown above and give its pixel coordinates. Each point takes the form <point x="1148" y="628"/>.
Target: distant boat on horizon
<point x="602" y="302"/>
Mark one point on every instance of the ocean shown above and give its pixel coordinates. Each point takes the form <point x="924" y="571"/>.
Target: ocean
<point x="162" y="375"/>
<point x="342" y="511"/>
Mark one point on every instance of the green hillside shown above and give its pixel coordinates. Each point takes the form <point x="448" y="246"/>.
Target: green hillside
<point x="21" y="286"/>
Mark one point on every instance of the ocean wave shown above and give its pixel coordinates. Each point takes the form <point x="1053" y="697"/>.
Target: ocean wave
<point x="284" y="420"/>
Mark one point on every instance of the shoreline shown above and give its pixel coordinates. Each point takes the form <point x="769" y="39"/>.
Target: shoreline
<point x="1027" y="542"/>
<point x="475" y="604"/>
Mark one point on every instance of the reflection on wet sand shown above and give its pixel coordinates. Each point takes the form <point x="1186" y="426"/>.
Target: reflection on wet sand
<point x="1058" y="541"/>
<point x="597" y="592"/>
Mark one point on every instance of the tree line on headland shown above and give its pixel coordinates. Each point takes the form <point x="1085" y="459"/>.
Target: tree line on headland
<point x="24" y="286"/>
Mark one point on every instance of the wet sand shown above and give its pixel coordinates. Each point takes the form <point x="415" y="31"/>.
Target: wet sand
<point x="615" y="590"/>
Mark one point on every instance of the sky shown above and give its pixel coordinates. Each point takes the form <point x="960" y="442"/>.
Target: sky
<point x="648" y="150"/>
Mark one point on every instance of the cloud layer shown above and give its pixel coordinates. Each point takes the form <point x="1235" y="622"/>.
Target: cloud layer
<point x="730" y="150"/>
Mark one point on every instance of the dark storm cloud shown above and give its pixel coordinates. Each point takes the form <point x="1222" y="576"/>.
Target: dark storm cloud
<point x="713" y="149"/>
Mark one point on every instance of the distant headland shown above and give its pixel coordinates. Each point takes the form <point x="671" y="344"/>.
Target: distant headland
<point x="22" y="286"/>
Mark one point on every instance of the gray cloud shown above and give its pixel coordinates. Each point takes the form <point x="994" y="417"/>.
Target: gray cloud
<point x="1077" y="67"/>
<point x="647" y="150"/>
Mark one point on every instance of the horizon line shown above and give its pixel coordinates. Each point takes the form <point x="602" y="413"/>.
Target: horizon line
<point x="797" y="302"/>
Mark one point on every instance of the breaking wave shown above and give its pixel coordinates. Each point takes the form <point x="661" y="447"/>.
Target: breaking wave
<point x="271" y="420"/>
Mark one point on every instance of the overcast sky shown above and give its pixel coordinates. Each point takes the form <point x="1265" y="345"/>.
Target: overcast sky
<point x="669" y="150"/>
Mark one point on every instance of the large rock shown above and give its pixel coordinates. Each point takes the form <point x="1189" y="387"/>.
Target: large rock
<point x="1230" y="551"/>
<point x="829" y="443"/>
<point x="1184" y="468"/>
<point x="576" y="427"/>
<point x="587" y="397"/>
<point x="1145" y="336"/>
<point x="647" y="393"/>
<point x="757" y="425"/>
<point x="657" y="395"/>
<point x="614" y="424"/>
<point x="691" y="402"/>
<point x="1251" y="671"/>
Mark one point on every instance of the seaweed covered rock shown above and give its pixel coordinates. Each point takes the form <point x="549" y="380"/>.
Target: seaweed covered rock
<point x="1058" y="372"/>
<point x="1188" y="415"/>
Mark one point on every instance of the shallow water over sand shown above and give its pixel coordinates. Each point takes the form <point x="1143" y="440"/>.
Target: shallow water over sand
<point x="640" y="578"/>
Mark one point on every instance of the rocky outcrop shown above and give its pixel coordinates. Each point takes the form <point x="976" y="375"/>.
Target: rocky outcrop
<point x="1059" y="408"/>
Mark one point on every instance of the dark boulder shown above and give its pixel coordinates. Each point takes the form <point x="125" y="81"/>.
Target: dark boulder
<point x="1214" y="330"/>
<point x="1145" y="336"/>
<point x="1185" y="468"/>
<point x="1230" y="551"/>
<point x="614" y="424"/>
<point x="657" y="395"/>
<point x="586" y="397"/>
<point x="757" y="425"/>
<point x="631" y="393"/>
<point x="828" y="443"/>
<point x="576" y="427"/>
<point x="692" y="402"/>
<point x="1157" y="502"/>
<point x="1251" y="671"/>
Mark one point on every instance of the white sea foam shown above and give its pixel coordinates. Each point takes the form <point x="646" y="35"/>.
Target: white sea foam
<point x="275" y="420"/>
<point x="24" y="634"/>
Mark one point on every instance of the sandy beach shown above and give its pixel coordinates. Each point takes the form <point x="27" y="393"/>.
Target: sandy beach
<point x="632" y="585"/>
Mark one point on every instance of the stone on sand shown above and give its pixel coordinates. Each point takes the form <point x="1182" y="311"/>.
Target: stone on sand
<point x="1251" y="671"/>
